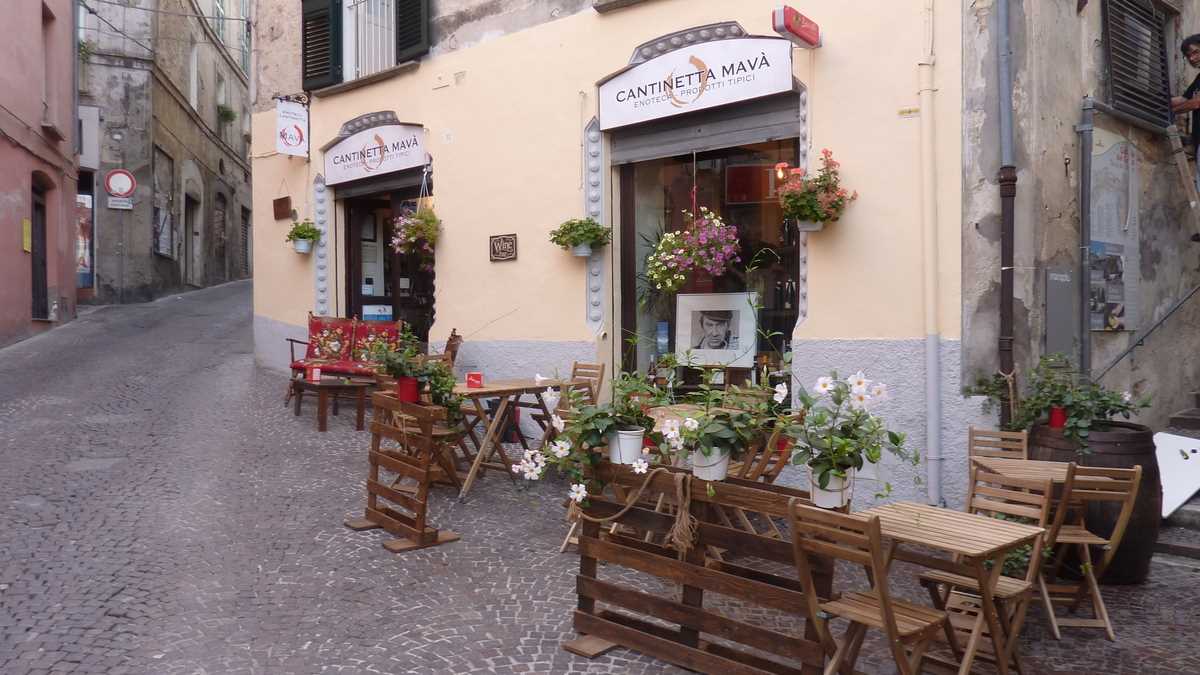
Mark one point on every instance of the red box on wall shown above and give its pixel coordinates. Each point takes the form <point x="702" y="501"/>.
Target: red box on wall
<point x="474" y="380"/>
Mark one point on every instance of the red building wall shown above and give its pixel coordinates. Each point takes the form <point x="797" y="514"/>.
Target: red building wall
<point x="37" y="146"/>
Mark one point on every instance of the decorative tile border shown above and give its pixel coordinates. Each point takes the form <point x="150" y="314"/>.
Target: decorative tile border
<point x="593" y="206"/>
<point x="321" y="221"/>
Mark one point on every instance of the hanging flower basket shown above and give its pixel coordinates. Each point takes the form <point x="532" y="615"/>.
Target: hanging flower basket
<point x="417" y="233"/>
<point x="811" y="201"/>
<point x="707" y="246"/>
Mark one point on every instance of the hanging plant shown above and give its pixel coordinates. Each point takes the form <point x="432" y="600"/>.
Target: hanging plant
<point x="707" y="244"/>
<point x="417" y="233"/>
<point x="817" y="199"/>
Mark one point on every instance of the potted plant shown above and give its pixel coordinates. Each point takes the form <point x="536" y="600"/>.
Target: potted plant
<point x="811" y="201"/>
<point x="837" y="434"/>
<point x="707" y="247"/>
<point x="406" y="368"/>
<point x="708" y="440"/>
<point x="417" y="232"/>
<point x="302" y="235"/>
<point x="580" y="236"/>
<point x="632" y="397"/>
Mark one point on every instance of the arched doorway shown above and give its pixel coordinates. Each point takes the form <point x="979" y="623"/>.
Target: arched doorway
<point x="38" y="250"/>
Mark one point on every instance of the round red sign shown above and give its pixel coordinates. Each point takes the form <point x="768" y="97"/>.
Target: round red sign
<point x="120" y="183"/>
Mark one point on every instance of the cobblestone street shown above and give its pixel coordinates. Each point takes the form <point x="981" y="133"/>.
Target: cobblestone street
<point x="162" y="511"/>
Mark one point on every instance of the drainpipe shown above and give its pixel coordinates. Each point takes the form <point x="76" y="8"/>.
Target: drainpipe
<point x="1085" y="233"/>
<point x="929" y="239"/>
<point x="1008" y="192"/>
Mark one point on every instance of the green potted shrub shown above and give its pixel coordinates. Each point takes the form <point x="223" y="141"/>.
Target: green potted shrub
<point x="302" y="235"/>
<point x="708" y="440"/>
<point x="633" y="394"/>
<point x="580" y="236"/>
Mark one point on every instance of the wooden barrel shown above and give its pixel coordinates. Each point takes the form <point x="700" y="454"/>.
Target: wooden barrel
<point x="1121" y="445"/>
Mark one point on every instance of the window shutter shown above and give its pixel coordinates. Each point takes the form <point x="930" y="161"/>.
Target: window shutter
<point x="321" y="43"/>
<point x="1135" y="46"/>
<point x="412" y="29"/>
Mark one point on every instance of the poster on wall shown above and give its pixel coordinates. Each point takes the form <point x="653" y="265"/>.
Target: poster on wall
<point x="716" y="329"/>
<point x="85" y="276"/>
<point x="1114" y="248"/>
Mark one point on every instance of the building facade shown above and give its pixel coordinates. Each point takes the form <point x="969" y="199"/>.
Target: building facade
<point x="37" y="169"/>
<point x="513" y="117"/>
<point x="164" y="96"/>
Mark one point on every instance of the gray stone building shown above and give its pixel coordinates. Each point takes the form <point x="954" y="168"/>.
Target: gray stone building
<point x="164" y="95"/>
<point x="1091" y="83"/>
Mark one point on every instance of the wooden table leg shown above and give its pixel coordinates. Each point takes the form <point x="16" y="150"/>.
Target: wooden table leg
<point x="361" y="408"/>
<point x="298" y="391"/>
<point x="987" y="587"/>
<point x="322" y="404"/>
<point x="488" y="438"/>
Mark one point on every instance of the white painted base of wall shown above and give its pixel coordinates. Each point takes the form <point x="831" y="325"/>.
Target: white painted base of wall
<point x="270" y="342"/>
<point x="901" y="365"/>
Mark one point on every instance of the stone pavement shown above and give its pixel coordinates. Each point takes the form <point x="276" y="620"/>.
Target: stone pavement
<point x="161" y="511"/>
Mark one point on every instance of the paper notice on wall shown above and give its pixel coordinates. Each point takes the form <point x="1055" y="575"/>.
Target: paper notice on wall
<point x="1113" y="250"/>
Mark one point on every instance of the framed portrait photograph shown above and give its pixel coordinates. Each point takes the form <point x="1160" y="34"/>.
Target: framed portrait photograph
<point x="720" y="329"/>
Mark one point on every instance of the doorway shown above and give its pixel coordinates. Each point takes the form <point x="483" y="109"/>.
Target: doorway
<point x="380" y="283"/>
<point x="191" y="229"/>
<point x="41" y="291"/>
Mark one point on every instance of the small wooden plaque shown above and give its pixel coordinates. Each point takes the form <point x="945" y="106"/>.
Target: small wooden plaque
<point x="282" y="208"/>
<point x="502" y="247"/>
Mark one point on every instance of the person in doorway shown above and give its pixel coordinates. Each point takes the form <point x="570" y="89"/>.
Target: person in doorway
<point x="1189" y="102"/>
<point x="714" y="329"/>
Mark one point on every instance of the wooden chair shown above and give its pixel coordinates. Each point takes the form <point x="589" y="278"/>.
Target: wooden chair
<point x="991" y="443"/>
<point x="1086" y="485"/>
<point x="909" y="628"/>
<point x="990" y="494"/>
<point x="593" y="374"/>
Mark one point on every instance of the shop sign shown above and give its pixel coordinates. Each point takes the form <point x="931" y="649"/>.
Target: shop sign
<point x="291" y="124"/>
<point x="705" y="75"/>
<point x="375" y="151"/>
<point x="502" y="247"/>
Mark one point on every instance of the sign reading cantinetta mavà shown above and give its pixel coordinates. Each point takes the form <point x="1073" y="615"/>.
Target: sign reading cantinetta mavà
<point x="375" y="151"/>
<point x="696" y="77"/>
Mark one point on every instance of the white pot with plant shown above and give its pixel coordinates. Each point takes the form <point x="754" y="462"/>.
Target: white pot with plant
<point x="709" y="440"/>
<point x="811" y="201"/>
<point x="302" y="235"/>
<point x="581" y="236"/>
<point x="838" y="435"/>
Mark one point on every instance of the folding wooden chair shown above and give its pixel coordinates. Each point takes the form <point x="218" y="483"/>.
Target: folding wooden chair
<point x="593" y="374"/>
<point x="991" y="494"/>
<point x="908" y="627"/>
<point x="991" y="443"/>
<point x="1086" y="485"/>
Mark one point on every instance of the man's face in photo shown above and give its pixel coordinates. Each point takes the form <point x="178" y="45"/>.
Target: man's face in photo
<point x="1193" y="55"/>
<point x="714" y="331"/>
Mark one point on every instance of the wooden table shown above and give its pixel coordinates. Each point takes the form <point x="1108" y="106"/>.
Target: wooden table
<point x="335" y="385"/>
<point x="509" y="392"/>
<point x="973" y="540"/>
<point x="762" y="578"/>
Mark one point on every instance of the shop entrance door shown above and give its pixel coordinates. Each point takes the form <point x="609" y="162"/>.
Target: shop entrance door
<point x="41" y="293"/>
<point x="382" y="284"/>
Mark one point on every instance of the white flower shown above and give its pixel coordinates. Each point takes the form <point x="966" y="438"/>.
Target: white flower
<point x="578" y="492"/>
<point x="691" y="424"/>
<point x="670" y="428"/>
<point x="561" y="448"/>
<point x="1127" y="397"/>
<point x="879" y="391"/>
<point x="641" y="466"/>
<point x="860" y="399"/>
<point x="558" y="422"/>
<point x="781" y="392"/>
<point x="858" y="382"/>
<point x="824" y="385"/>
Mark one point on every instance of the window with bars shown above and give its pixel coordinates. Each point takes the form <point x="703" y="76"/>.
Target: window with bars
<point x="1135" y="45"/>
<point x="344" y="40"/>
<point x="218" y="18"/>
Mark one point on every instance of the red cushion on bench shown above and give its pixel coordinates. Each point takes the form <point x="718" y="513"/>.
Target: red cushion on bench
<point x="329" y="337"/>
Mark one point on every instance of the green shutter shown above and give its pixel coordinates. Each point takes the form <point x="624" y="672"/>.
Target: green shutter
<point x="412" y="29"/>
<point x="321" y="43"/>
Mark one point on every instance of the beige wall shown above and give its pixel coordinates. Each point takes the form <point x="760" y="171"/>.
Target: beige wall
<point x="505" y="136"/>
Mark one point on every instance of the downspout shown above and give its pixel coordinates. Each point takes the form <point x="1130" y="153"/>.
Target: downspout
<point x="1085" y="130"/>
<point x="929" y="239"/>
<point x="1008" y="192"/>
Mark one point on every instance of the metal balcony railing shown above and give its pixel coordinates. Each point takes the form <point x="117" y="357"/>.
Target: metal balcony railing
<point x="371" y="27"/>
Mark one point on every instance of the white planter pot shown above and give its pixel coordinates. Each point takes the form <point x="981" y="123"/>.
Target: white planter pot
<point x="581" y="250"/>
<point x="715" y="467"/>
<point x="625" y="447"/>
<point x="810" y="225"/>
<point x="302" y="245"/>
<point x="834" y="495"/>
